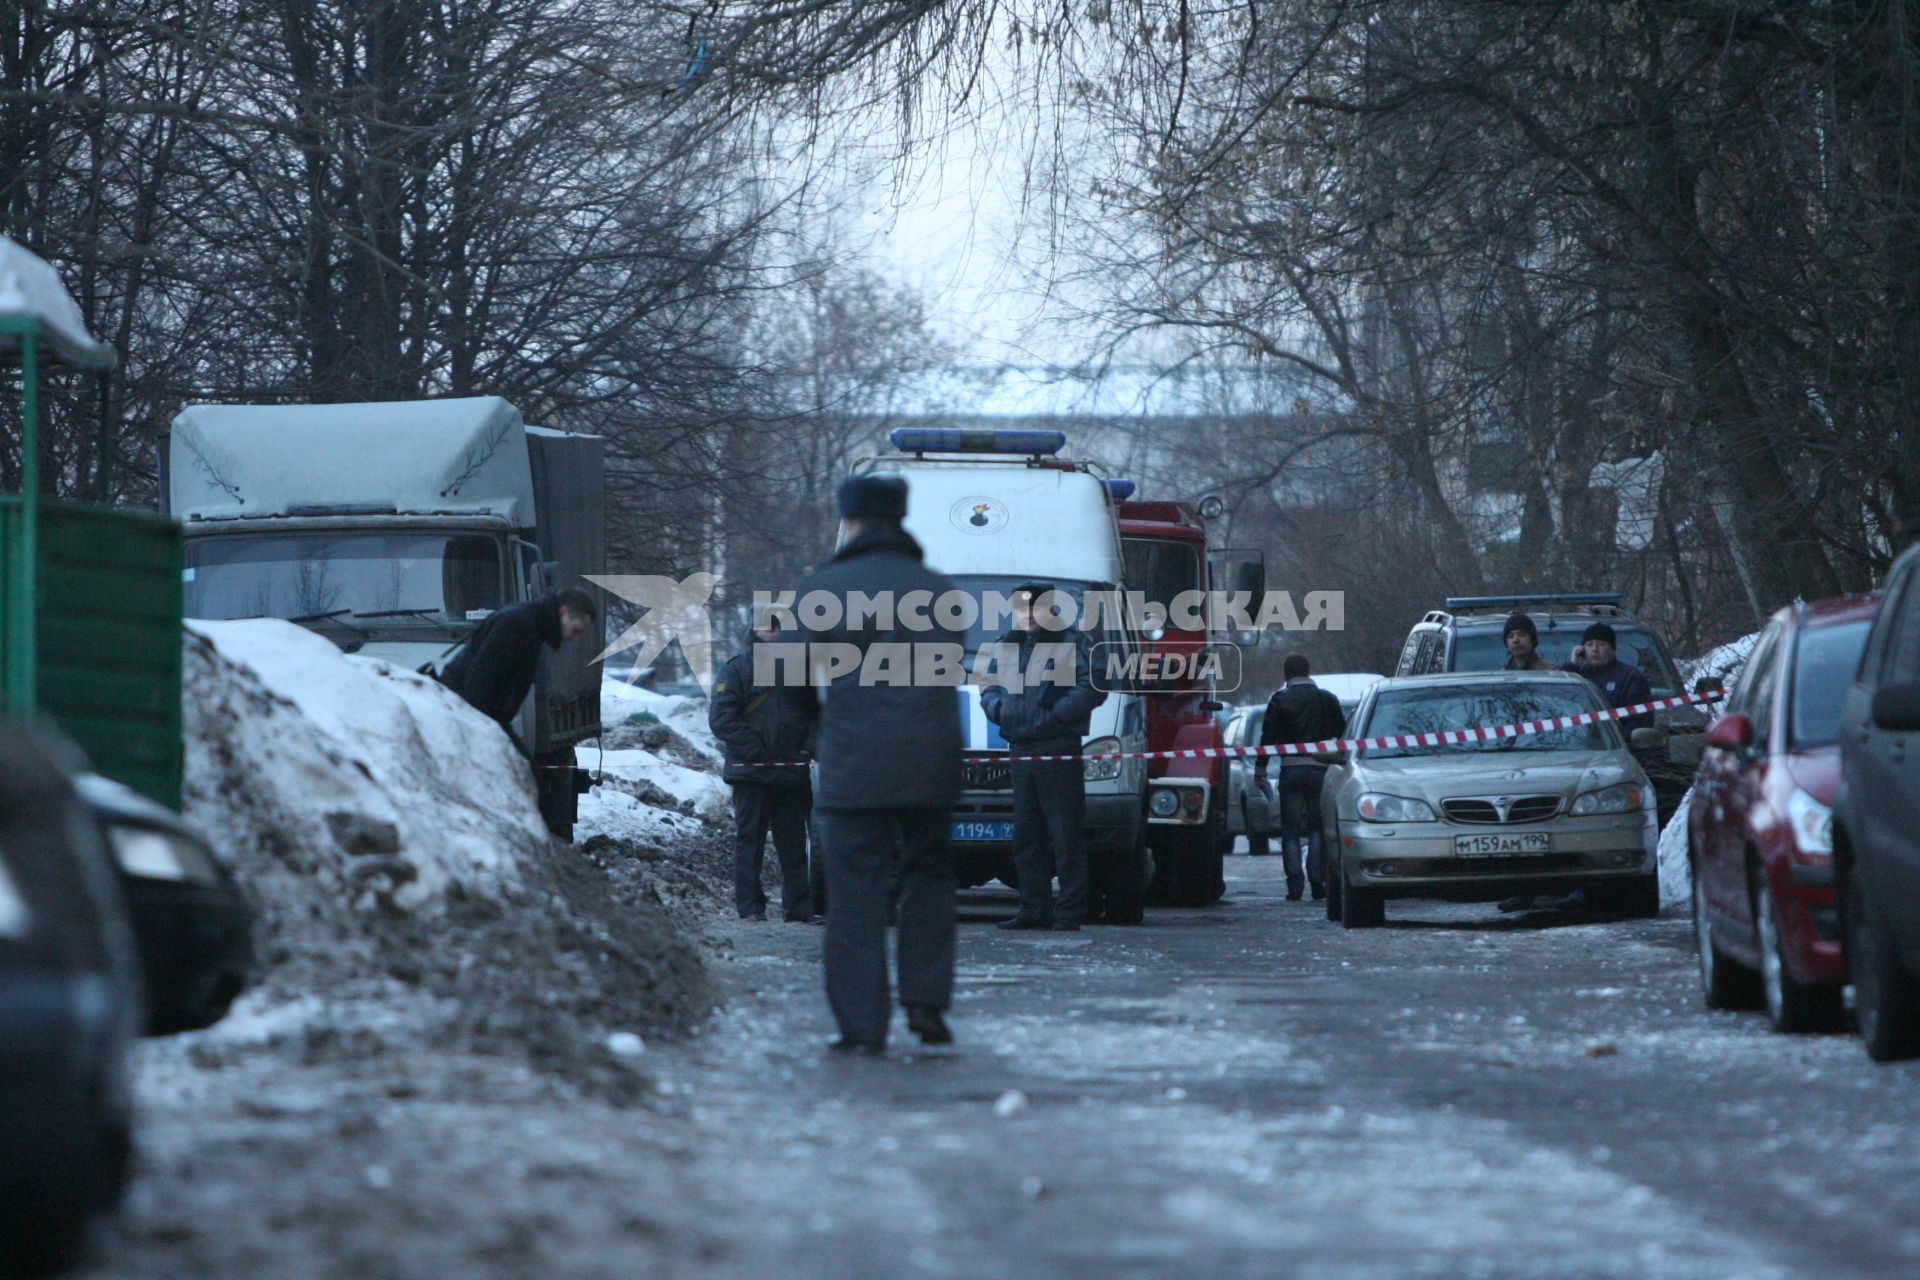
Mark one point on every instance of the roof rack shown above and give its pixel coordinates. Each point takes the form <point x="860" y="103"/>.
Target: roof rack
<point x="1468" y="604"/>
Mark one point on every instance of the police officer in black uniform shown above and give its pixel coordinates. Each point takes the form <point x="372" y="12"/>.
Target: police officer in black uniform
<point x="889" y="758"/>
<point x="1046" y="717"/>
<point x="766" y="731"/>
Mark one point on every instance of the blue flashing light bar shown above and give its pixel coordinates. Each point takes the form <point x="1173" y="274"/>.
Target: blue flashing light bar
<point x="1501" y="602"/>
<point x="969" y="440"/>
<point x="1120" y="489"/>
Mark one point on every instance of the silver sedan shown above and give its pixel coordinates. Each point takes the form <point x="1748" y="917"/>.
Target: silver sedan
<point x="1476" y="822"/>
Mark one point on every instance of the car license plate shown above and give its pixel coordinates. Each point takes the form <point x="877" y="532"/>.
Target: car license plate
<point x="1002" y="831"/>
<point x="1493" y="846"/>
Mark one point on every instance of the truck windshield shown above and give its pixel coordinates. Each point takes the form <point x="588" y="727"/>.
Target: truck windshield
<point x="401" y="579"/>
<point x="1161" y="568"/>
<point x="1435" y="708"/>
<point x="1487" y="651"/>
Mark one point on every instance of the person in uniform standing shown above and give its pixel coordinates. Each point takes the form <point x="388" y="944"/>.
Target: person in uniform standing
<point x="889" y="762"/>
<point x="1046" y="717"/>
<point x="766" y="731"/>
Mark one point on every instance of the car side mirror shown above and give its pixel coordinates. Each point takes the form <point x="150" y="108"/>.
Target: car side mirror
<point x="1896" y="706"/>
<point x="1644" y="739"/>
<point x="1731" y="732"/>
<point x="1709" y="684"/>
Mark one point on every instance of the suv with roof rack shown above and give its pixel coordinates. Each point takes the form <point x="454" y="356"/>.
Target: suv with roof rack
<point x="1469" y="634"/>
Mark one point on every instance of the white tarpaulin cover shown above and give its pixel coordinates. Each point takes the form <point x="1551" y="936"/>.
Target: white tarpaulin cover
<point x="30" y="289"/>
<point x="466" y="456"/>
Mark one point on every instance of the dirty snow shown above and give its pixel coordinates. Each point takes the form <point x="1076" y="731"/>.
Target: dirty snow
<point x="380" y="782"/>
<point x="1728" y="661"/>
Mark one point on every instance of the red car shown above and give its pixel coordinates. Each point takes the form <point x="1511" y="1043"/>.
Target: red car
<point x="1760" y="828"/>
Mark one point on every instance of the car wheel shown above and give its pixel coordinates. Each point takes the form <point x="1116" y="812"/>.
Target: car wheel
<point x="1361" y="908"/>
<point x="1886" y="1000"/>
<point x="1336" y="878"/>
<point x="1724" y="981"/>
<point x="1791" y="1006"/>
<point x="1129" y="874"/>
<point x="1638" y="900"/>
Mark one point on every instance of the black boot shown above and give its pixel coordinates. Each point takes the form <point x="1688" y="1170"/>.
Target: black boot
<point x="926" y="1022"/>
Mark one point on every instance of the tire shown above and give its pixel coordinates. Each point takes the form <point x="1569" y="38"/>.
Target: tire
<point x="1886" y="999"/>
<point x="1360" y="908"/>
<point x="1791" y="1006"/>
<point x="1187" y="867"/>
<point x="1123" y="892"/>
<point x="1639" y="900"/>
<point x="1725" y="983"/>
<point x="1336" y="878"/>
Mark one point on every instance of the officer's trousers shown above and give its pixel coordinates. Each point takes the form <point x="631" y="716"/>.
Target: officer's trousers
<point x="760" y="807"/>
<point x="1049" y="838"/>
<point x="867" y="853"/>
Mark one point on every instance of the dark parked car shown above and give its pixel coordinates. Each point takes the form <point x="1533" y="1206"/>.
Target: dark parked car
<point x="69" y="1009"/>
<point x="1760" y="829"/>
<point x="193" y="926"/>
<point x="1876" y="822"/>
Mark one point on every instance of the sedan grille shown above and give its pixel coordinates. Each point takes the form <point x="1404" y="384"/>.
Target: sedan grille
<point x="1491" y="811"/>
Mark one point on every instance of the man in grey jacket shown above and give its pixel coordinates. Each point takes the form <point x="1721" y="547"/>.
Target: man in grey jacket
<point x="889" y="759"/>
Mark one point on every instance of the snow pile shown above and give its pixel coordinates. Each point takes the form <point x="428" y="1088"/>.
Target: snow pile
<point x="659" y="766"/>
<point x="372" y="786"/>
<point x="1676" y="870"/>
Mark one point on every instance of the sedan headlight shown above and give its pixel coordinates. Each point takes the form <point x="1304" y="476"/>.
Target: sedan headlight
<point x="1103" y="770"/>
<point x="1375" y="807"/>
<point x="1625" y="797"/>
<point x="157" y="855"/>
<point x="1812" y="822"/>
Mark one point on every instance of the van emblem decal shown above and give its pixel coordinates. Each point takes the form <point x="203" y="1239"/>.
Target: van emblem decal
<point x="979" y="514"/>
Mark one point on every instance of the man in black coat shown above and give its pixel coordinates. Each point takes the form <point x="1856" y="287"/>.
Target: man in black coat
<point x="1299" y="711"/>
<point x="496" y="667"/>
<point x="1621" y="683"/>
<point x="1049" y="717"/>
<point x="889" y="759"/>
<point x="756" y="724"/>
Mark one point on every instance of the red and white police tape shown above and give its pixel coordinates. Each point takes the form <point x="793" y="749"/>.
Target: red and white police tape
<point x="1443" y="738"/>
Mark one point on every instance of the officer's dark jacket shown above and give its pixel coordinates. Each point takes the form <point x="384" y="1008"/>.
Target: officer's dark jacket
<point x="758" y="724"/>
<point x="1300" y="711"/>
<point x="495" y="668"/>
<point x="1623" y="685"/>
<point x="1046" y="718"/>
<point x="884" y="746"/>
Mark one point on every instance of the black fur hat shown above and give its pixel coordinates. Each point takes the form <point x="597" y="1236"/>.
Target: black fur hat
<point x="872" y="498"/>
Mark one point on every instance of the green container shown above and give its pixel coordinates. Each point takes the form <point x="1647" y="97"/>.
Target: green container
<point x="90" y="634"/>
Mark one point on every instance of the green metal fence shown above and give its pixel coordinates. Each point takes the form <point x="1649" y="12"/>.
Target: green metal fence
<point x="90" y="613"/>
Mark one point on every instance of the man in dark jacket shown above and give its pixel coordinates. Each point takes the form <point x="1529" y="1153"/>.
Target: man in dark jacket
<point x="1049" y="716"/>
<point x="496" y="667"/>
<point x="1522" y="639"/>
<point x="1621" y="683"/>
<point x="889" y="758"/>
<point x="1299" y="711"/>
<point x="757" y="724"/>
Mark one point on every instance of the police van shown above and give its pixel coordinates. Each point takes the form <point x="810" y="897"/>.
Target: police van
<point x="992" y="510"/>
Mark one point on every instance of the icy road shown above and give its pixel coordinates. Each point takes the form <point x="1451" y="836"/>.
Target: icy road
<point x="1245" y="1091"/>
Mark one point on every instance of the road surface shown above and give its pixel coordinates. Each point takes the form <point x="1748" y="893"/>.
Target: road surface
<point x="1241" y="1091"/>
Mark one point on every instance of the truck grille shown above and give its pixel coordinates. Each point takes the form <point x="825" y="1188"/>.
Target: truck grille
<point x="1486" y="812"/>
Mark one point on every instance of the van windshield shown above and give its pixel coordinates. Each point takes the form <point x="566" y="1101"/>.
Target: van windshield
<point x="360" y="580"/>
<point x="994" y="620"/>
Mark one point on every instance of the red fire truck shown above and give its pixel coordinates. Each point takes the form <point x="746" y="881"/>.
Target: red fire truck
<point x="1166" y="555"/>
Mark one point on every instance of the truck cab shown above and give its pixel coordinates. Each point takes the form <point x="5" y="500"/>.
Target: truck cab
<point x="993" y="510"/>
<point x="393" y="529"/>
<point x="1166" y="554"/>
